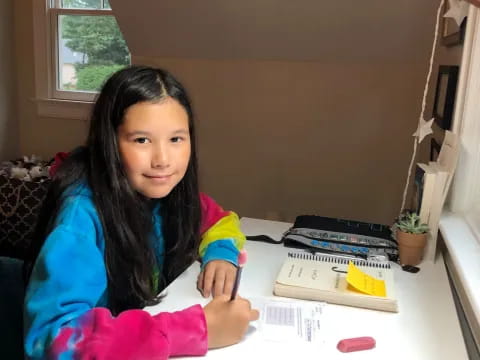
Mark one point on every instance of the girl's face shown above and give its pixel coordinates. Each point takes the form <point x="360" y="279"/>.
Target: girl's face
<point x="154" y="144"/>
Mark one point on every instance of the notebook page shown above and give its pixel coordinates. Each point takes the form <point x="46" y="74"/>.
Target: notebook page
<point x="328" y="273"/>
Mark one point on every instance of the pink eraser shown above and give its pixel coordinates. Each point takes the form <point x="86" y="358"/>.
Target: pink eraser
<point x="242" y="258"/>
<point x="356" y="344"/>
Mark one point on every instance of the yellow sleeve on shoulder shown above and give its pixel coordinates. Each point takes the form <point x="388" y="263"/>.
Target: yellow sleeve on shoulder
<point x="227" y="228"/>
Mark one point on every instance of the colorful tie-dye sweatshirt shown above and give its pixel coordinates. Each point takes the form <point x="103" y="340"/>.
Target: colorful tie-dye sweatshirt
<point x="65" y="311"/>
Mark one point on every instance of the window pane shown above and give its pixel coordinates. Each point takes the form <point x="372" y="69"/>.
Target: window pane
<point x="90" y="49"/>
<point x="82" y="4"/>
<point x="106" y="4"/>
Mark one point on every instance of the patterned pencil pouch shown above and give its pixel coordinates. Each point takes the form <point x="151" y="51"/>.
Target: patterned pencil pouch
<point x="342" y="237"/>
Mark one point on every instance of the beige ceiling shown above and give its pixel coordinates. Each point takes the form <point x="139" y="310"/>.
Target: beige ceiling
<point x="318" y="30"/>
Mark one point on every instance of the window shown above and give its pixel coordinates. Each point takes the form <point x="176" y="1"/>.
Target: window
<point x="460" y="224"/>
<point x="78" y="44"/>
<point x="465" y="199"/>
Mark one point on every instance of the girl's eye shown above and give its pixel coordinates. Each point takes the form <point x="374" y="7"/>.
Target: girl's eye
<point x="176" y="139"/>
<point x="141" y="140"/>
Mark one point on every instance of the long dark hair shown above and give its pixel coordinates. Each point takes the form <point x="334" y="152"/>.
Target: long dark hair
<point x="125" y="214"/>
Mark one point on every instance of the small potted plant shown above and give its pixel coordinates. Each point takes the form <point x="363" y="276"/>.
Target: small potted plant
<point x="411" y="235"/>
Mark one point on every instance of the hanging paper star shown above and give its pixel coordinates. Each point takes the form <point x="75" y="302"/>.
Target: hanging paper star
<point x="457" y="10"/>
<point x="424" y="128"/>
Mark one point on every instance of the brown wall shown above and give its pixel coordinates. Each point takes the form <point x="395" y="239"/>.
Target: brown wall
<point x="279" y="138"/>
<point x="8" y="125"/>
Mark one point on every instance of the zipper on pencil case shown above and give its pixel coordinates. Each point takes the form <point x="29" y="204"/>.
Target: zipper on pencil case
<point x="345" y="243"/>
<point x="302" y="233"/>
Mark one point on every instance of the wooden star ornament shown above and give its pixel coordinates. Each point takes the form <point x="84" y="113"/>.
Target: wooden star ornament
<point x="424" y="128"/>
<point x="457" y="10"/>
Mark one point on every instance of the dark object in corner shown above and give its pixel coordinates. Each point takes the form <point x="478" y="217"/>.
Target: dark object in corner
<point x="410" y="269"/>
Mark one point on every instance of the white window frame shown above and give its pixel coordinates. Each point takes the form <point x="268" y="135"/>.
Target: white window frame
<point x="465" y="195"/>
<point x="50" y="101"/>
<point x="460" y="222"/>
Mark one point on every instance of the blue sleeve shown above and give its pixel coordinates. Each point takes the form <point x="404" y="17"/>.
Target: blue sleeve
<point x="65" y="315"/>
<point x="221" y="250"/>
<point x="68" y="278"/>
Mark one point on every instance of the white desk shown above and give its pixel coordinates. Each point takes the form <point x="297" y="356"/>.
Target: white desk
<point x="426" y="327"/>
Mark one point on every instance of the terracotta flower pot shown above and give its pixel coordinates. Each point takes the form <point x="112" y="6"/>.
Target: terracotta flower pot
<point x="411" y="247"/>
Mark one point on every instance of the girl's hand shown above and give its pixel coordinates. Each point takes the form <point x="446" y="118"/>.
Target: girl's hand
<point x="227" y="321"/>
<point x="217" y="277"/>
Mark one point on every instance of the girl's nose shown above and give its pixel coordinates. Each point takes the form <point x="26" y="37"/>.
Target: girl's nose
<point x="160" y="158"/>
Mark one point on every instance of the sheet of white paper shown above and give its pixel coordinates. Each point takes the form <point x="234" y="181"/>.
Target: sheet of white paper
<point x="289" y="321"/>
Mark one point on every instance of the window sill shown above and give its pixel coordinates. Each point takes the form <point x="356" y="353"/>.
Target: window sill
<point x="464" y="258"/>
<point x="63" y="109"/>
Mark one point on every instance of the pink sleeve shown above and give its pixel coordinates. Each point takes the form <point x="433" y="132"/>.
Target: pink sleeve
<point x="134" y="334"/>
<point x="211" y="212"/>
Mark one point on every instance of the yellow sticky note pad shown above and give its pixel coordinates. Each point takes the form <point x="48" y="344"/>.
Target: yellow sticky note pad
<point x="364" y="283"/>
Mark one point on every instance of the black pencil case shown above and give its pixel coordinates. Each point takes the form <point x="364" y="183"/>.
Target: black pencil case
<point x="343" y="237"/>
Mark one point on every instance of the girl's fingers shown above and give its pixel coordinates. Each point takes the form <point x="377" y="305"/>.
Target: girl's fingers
<point x="200" y="282"/>
<point x="254" y="315"/>
<point x="218" y="277"/>
<point x="219" y="283"/>
<point x="208" y="278"/>
<point x="229" y="281"/>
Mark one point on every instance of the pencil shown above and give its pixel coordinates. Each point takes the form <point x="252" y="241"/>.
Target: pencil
<point x="242" y="259"/>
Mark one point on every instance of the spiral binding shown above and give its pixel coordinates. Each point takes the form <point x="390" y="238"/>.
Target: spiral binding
<point x="339" y="260"/>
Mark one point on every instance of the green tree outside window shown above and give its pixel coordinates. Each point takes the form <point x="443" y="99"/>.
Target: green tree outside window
<point x="98" y="39"/>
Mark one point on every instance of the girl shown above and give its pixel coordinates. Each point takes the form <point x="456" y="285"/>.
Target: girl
<point x="122" y="219"/>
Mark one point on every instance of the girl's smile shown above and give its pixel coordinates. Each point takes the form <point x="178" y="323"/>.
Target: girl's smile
<point x="159" y="178"/>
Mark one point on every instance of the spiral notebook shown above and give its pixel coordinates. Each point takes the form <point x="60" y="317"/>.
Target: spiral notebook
<point x="323" y="277"/>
